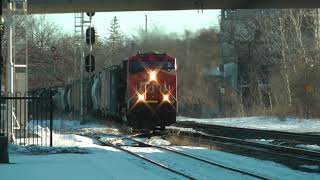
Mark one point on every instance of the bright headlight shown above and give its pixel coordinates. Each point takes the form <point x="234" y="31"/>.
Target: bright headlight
<point x="152" y="76"/>
<point x="166" y="98"/>
<point x="141" y="97"/>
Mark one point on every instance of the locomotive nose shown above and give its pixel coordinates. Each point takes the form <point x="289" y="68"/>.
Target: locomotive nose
<point x="153" y="91"/>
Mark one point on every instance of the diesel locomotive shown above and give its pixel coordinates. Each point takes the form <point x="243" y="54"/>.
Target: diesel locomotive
<point x="140" y="92"/>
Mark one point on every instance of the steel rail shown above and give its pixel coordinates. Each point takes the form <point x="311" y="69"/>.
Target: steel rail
<point x="311" y="138"/>
<point x="275" y="149"/>
<point x="200" y="159"/>
<point x="146" y="159"/>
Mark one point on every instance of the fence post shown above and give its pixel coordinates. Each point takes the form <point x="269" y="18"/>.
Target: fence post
<point x="4" y="155"/>
<point x="51" y="118"/>
<point x="1" y="108"/>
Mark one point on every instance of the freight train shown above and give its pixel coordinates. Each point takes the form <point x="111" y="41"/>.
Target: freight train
<point x="140" y="92"/>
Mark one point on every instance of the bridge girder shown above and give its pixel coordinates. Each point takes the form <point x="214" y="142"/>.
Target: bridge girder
<point x="70" y="6"/>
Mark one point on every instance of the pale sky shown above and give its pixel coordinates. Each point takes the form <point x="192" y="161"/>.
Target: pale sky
<point x="170" y="21"/>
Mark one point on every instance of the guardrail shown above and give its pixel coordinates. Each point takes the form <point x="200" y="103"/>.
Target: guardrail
<point x="27" y="120"/>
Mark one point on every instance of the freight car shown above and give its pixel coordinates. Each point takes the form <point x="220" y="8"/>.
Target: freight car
<point x="141" y="92"/>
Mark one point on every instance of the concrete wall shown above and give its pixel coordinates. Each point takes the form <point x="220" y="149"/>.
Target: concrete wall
<point x="69" y="6"/>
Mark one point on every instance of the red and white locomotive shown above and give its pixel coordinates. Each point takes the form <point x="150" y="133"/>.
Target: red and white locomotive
<point x="151" y="90"/>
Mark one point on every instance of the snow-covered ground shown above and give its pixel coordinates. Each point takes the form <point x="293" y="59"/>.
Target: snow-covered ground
<point x="262" y="141"/>
<point x="83" y="158"/>
<point x="63" y="125"/>
<point x="264" y="123"/>
<point x="191" y="130"/>
<point x="39" y="133"/>
<point x="312" y="147"/>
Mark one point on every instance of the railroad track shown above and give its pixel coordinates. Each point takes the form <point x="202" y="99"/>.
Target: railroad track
<point x="290" y="154"/>
<point x="142" y="144"/>
<point x="249" y="133"/>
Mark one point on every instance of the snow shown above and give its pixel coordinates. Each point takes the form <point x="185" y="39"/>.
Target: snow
<point x="81" y="158"/>
<point x="264" y="123"/>
<point x="120" y="141"/>
<point x="89" y="161"/>
<point x="183" y="129"/>
<point x="262" y="141"/>
<point x="117" y="140"/>
<point x="104" y="163"/>
<point x="199" y="170"/>
<point x="40" y="132"/>
<point x="158" y="142"/>
<point x="314" y="167"/>
<point x="14" y="149"/>
<point x="63" y="125"/>
<point x="268" y="169"/>
<point x="309" y="147"/>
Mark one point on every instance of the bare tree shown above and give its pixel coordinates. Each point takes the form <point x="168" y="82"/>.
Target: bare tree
<point x="289" y="39"/>
<point x="44" y="69"/>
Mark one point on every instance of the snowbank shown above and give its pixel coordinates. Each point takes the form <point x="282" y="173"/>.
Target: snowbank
<point x="62" y="143"/>
<point x="262" y="141"/>
<point x="93" y="161"/>
<point x="39" y="132"/>
<point x="158" y="142"/>
<point x="63" y="125"/>
<point x="90" y="160"/>
<point x="14" y="149"/>
<point x="118" y="140"/>
<point x="191" y="130"/>
<point x="309" y="147"/>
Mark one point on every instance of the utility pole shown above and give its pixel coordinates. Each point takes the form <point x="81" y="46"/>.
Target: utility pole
<point x="14" y="8"/>
<point x="81" y="23"/>
<point x="10" y="67"/>
<point x="1" y="58"/>
<point x="221" y="68"/>
<point x="90" y="39"/>
<point x="1" y="65"/>
<point x="82" y="69"/>
<point x="9" y="70"/>
<point x="146" y="25"/>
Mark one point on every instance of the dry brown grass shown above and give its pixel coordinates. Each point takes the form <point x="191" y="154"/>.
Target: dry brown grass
<point x="188" y="141"/>
<point x="179" y="141"/>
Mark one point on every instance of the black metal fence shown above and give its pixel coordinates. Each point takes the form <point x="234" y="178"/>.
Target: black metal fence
<point x="27" y="120"/>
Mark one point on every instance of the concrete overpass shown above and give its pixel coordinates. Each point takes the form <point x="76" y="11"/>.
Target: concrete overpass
<point x="69" y="6"/>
